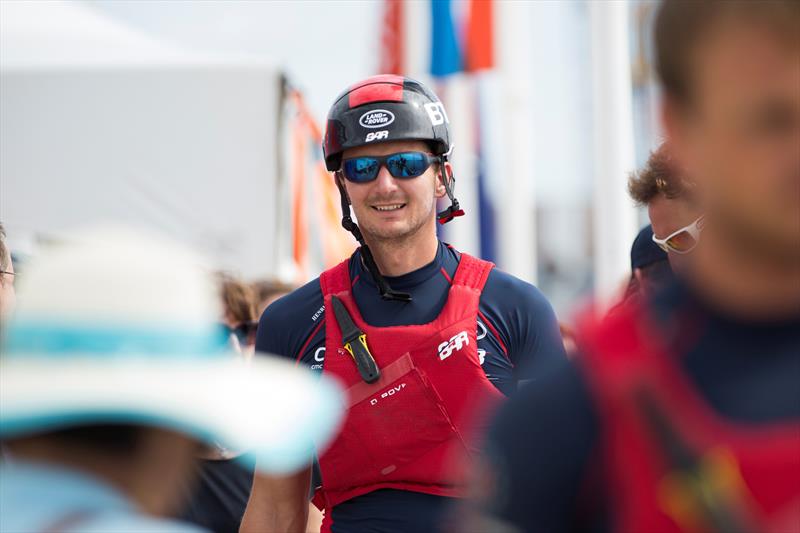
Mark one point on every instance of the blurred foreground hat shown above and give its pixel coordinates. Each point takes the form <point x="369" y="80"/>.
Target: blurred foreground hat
<point x="644" y="251"/>
<point x="119" y="327"/>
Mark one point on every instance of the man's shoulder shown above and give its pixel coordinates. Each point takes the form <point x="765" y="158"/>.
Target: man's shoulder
<point x="525" y="321"/>
<point x="289" y="321"/>
<point x="296" y="308"/>
<point x="504" y="290"/>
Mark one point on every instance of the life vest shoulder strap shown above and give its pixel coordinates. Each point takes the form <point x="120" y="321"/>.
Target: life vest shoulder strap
<point x="336" y="279"/>
<point x="472" y="272"/>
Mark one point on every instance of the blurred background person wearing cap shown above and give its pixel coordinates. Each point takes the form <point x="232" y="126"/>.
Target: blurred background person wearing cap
<point x="675" y="217"/>
<point x="650" y="268"/>
<point x="110" y="383"/>
<point x="7" y="276"/>
<point x="684" y="412"/>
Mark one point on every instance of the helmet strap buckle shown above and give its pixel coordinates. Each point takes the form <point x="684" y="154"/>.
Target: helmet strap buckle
<point x="449" y="180"/>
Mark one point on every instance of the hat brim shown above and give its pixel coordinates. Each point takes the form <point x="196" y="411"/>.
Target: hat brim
<point x="265" y="406"/>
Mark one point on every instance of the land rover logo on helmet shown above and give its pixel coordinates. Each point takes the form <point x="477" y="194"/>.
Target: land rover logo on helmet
<point x="377" y="118"/>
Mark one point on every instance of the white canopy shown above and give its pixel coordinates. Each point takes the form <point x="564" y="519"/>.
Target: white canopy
<point x="101" y="123"/>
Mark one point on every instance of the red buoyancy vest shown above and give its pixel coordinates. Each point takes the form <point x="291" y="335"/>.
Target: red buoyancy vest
<point x="664" y="445"/>
<point x="411" y="430"/>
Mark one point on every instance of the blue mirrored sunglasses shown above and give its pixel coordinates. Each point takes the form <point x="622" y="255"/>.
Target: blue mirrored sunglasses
<point x="404" y="165"/>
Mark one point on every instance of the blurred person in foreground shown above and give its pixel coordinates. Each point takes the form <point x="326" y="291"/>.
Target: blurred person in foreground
<point x="684" y="411"/>
<point x="7" y="276"/>
<point x="218" y="500"/>
<point x="110" y="382"/>
<point x="267" y="291"/>
<point x="422" y="336"/>
<point x="675" y="215"/>
<point x="650" y="267"/>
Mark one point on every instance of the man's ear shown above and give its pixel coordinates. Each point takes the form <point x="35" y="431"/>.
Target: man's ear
<point x="446" y="172"/>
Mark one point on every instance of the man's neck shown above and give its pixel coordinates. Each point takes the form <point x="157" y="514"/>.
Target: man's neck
<point x="745" y="285"/>
<point x="398" y="257"/>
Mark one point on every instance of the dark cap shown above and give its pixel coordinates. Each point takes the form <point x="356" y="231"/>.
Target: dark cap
<point x="644" y="251"/>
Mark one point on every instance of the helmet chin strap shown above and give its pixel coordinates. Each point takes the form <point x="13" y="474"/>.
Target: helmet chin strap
<point x="387" y="293"/>
<point x="449" y="184"/>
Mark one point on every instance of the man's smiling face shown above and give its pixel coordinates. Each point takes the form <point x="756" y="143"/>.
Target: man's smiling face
<point x="390" y="208"/>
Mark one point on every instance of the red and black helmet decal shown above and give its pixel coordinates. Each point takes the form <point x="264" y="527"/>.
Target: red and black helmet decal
<point x="384" y="108"/>
<point x="382" y="88"/>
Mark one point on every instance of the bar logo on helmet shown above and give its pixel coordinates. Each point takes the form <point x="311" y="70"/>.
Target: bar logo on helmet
<point x="377" y="135"/>
<point x="377" y="118"/>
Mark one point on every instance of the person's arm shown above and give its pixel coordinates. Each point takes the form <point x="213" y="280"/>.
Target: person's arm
<point x="526" y="324"/>
<point x="278" y="504"/>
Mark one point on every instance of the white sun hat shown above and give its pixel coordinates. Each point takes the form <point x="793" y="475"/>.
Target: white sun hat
<point x="121" y="327"/>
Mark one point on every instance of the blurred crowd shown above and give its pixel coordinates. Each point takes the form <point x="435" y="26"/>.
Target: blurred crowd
<point x="141" y="392"/>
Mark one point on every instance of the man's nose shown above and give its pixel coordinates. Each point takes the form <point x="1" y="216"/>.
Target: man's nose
<point x="385" y="182"/>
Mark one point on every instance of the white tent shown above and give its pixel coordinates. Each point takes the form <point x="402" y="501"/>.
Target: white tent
<point x="99" y="123"/>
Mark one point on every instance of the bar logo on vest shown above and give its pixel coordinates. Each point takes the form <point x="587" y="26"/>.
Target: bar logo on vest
<point x="455" y="344"/>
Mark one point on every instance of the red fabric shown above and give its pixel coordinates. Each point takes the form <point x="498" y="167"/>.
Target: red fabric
<point x="412" y="430"/>
<point x="382" y="88"/>
<point x="622" y="358"/>
<point x="392" y="41"/>
<point x="480" y="36"/>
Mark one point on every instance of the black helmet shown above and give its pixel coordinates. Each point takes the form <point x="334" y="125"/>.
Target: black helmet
<point x="385" y="108"/>
<point x="379" y="109"/>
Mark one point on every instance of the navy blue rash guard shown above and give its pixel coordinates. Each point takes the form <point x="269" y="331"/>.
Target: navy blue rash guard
<point x="748" y="373"/>
<point x="518" y="341"/>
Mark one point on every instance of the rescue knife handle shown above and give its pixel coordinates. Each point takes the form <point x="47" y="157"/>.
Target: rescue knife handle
<point x="365" y="363"/>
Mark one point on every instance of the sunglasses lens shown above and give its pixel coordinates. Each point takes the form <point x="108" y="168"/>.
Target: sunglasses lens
<point x="682" y="242"/>
<point x="407" y="165"/>
<point x="361" y="169"/>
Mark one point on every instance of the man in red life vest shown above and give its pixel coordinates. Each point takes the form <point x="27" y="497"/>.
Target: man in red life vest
<point x="422" y="336"/>
<point x="684" y="411"/>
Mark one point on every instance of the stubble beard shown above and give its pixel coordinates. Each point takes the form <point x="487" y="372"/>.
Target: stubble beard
<point x="394" y="236"/>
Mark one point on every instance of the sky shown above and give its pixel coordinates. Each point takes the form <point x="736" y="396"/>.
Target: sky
<point x="298" y="36"/>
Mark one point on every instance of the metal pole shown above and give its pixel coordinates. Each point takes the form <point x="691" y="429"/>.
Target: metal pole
<point x="614" y="216"/>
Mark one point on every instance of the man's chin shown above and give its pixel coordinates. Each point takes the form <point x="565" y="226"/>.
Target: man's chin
<point x="388" y="234"/>
<point x="386" y="230"/>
